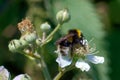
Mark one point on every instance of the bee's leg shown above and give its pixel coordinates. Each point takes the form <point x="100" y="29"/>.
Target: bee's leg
<point x="72" y="49"/>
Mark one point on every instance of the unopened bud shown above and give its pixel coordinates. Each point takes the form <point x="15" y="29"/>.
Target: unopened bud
<point x="38" y="41"/>
<point x="63" y="16"/>
<point x="28" y="38"/>
<point x="14" y="45"/>
<point x="45" y="27"/>
<point x="24" y="42"/>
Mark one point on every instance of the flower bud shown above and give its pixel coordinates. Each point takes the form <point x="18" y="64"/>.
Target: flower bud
<point x="22" y="77"/>
<point x="45" y="27"/>
<point x="28" y="38"/>
<point x="14" y="45"/>
<point x="39" y="41"/>
<point x="24" y="42"/>
<point x="63" y="16"/>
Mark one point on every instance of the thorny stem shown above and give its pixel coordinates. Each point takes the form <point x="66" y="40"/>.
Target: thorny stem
<point x="51" y="34"/>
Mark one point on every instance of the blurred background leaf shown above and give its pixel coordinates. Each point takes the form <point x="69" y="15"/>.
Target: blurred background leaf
<point x="113" y="38"/>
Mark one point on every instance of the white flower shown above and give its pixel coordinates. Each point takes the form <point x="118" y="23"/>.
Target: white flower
<point x="95" y="59"/>
<point x="22" y="77"/>
<point x="64" y="59"/>
<point x="4" y="74"/>
<point x="18" y="77"/>
<point x="83" y="55"/>
<point x="82" y="65"/>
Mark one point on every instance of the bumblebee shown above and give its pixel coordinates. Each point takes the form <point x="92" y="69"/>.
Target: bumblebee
<point x="74" y="36"/>
<point x="73" y="39"/>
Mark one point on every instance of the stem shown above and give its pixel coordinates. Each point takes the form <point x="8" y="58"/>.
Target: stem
<point x="43" y="36"/>
<point x="40" y="62"/>
<point x="62" y="72"/>
<point x="51" y="34"/>
<point x="43" y="64"/>
<point x="54" y="31"/>
<point x="30" y="56"/>
<point x="59" y="75"/>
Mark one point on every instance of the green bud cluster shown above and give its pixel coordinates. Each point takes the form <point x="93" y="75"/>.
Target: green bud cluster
<point x="16" y="45"/>
<point x="31" y="41"/>
<point x="29" y="36"/>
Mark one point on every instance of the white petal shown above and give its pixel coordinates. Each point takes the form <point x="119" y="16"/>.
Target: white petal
<point x="95" y="59"/>
<point x="4" y="74"/>
<point x="63" y="61"/>
<point x="19" y="77"/>
<point x="22" y="77"/>
<point x="82" y="65"/>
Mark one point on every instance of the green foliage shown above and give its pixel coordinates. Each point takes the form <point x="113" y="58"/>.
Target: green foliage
<point x="114" y="11"/>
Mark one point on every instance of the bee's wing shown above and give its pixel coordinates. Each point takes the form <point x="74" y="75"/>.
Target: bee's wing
<point x="64" y="38"/>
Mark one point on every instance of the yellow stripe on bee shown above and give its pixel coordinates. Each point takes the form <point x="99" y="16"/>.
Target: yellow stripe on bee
<point x="79" y="32"/>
